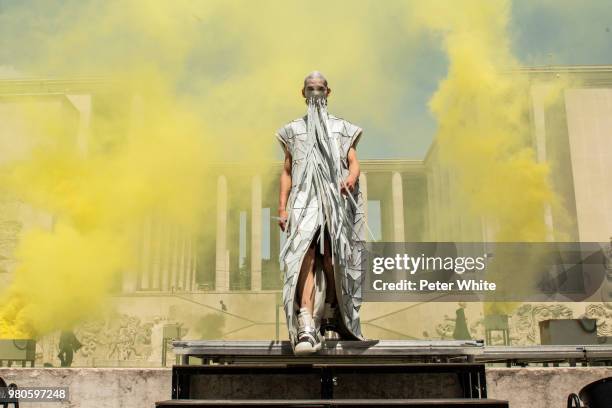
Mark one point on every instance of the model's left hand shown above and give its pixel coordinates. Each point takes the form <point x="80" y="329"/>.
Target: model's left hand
<point x="349" y="182"/>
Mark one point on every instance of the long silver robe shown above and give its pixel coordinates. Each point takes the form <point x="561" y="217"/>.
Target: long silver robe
<point x="319" y="151"/>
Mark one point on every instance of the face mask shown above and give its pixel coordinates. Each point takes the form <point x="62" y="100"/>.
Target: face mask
<point x="315" y="94"/>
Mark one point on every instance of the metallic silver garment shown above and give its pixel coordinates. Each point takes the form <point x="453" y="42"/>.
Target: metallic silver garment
<point x="319" y="143"/>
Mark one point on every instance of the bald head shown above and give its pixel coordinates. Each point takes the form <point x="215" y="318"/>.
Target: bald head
<point x="317" y="75"/>
<point x="315" y="84"/>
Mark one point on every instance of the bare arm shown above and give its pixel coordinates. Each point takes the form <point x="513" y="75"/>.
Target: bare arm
<point x="353" y="163"/>
<point x="354" y="170"/>
<point x="285" y="188"/>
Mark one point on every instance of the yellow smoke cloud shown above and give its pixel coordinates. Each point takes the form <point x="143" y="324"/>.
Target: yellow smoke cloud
<point x="484" y="137"/>
<point x="482" y="109"/>
<point x="209" y="81"/>
<point x="98" y="200"/>
<point x="187" y="84"/>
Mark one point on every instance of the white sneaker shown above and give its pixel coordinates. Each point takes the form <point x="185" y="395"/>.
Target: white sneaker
<point x="308" y="340"/>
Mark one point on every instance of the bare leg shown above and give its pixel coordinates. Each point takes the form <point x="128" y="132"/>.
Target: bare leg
<point x="308" y="339"/>
<point x="305" y="289"/>
<point x="328" y="268"/>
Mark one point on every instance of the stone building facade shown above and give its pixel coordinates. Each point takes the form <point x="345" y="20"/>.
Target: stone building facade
<point x="225" y="282"/>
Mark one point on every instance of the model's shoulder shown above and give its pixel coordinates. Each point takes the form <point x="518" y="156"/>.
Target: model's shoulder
<point x="337" y="119"/>
<point x="342" y="125"/>
<point x="298" y="125"/>
<point x="291" y="128"/>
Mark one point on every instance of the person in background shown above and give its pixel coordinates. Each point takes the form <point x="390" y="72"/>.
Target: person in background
<point x="68" y="345"/>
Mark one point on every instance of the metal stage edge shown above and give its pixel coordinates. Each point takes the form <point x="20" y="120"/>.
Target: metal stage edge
<point x="389" y="351"/>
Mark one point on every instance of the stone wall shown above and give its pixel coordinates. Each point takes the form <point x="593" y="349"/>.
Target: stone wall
<point x="96" y="387"/>
<point x="540" y="387"/>
<point x="534" y="387"/>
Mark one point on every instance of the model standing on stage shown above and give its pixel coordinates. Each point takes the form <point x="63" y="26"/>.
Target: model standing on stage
<point x="321" y="211"/>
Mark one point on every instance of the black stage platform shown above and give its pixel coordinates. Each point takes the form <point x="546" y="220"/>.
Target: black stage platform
<point x="342" y="373"/>
<point x="410" y="373"/>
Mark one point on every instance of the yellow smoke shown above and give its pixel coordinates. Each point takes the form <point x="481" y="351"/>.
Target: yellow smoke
<point x="482" y="109"/>
<point x="197" y="82"/>
<point x="187" y="84"/>
<point x="484" y="134"/>
<point x="98" y="201"/>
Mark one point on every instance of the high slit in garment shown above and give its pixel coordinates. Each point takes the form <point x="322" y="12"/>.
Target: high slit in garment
<point x="319" y="144"/>
<point x="321" y="285"/>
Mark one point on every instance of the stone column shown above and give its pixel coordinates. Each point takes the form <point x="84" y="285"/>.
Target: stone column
<point x="181" y="262"/>
<point x="189" y="261"/>
<point x="431" y="212"/>
<point x="397" y="195"/>
<point x="145" y="255"/>
<point x="194" y="263"/>
<point x="165" y="256"/>
<point x="256" y="233"/>
<point x="156" y="256"/>
<point x="174" y="265"/>
<point x="137" y="279"/>
<point x="82" y="103"/>
<point x="539" y="94"/>
<point x="222" y="266"/>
